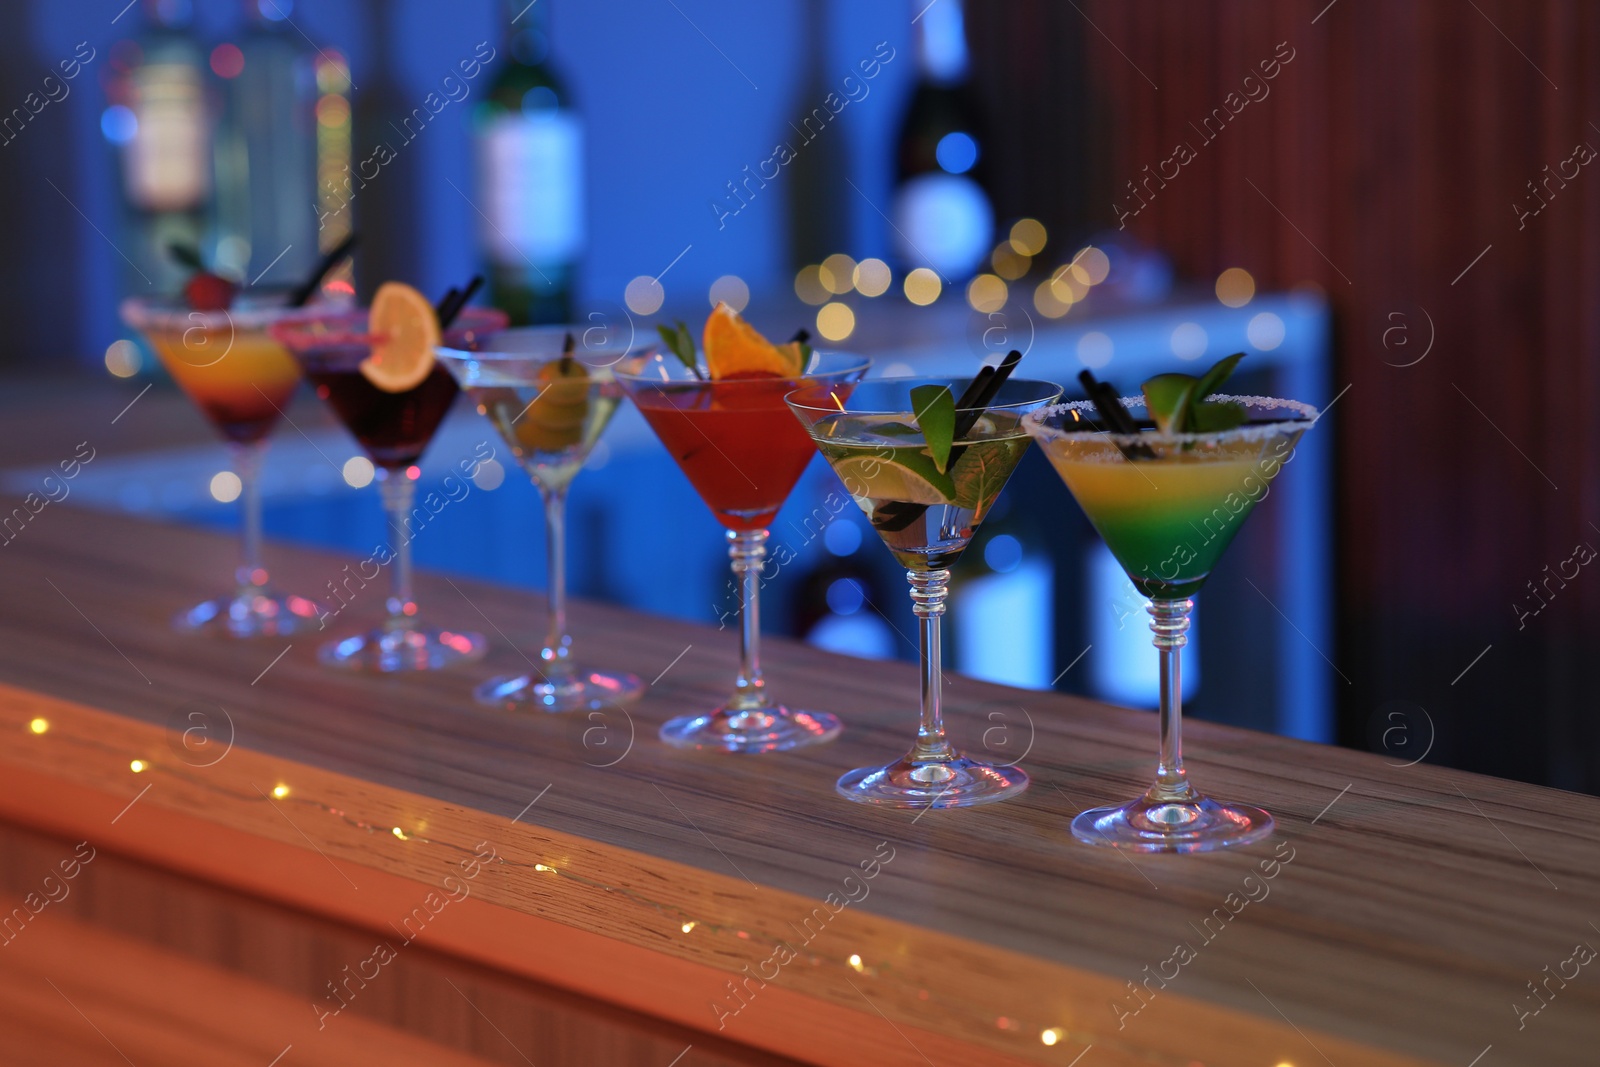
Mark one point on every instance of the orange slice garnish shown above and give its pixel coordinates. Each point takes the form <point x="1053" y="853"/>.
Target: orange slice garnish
<point x="733" y="348"/>
<point x="407" y="332"/>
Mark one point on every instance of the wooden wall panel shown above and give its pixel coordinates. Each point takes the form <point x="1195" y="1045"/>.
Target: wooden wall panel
<point x="1391" y="149"/>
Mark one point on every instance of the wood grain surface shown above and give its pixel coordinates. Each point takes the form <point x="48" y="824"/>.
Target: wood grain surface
<point x="1407" y="912"/>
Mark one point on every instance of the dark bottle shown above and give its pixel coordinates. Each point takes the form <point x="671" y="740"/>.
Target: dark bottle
<point x="942" y="212"/>
<point x="266" y="150"/>
<point x="529" y="144"/>
<point x="158" y="120"/>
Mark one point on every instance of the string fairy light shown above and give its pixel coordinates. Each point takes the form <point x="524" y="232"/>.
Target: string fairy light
<point x="883" y="972"/>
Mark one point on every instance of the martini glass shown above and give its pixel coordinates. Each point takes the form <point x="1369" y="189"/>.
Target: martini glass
<point x="550" y="402"/>
<point x="1167" y="505"/>
<point x="394" y="429"/>
<point x="926" y="518"/>
<point x="735" y="442"/>
<point x="241" y="379"/>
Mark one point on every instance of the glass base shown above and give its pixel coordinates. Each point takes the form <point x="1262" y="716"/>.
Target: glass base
<point x="422" y="648"/>
<point x="584" y="691"/>
<point x="770" y="729"/>
<point x="1147" y="825"/>
<point x="263" y="613"/>
<point x="954" y="783"/>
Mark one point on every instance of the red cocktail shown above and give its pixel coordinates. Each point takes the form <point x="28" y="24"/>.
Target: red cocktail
<point x="732" y="436"/>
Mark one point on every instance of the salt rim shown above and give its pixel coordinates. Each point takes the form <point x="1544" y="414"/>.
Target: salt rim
<point x="303" y="334"/>
<point x="1259" y="432"/>
<point x="811" y="374"/>
<point x="171" y="313"/>
<point x="833" y="410"/>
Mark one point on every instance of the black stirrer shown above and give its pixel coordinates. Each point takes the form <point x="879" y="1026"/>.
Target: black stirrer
<point x="975" y="400"/>
<point x="442" y="308"/>
<point x="449" y="314"/>
<point x="1113" y="414"/>
<point x="299" y="297"/>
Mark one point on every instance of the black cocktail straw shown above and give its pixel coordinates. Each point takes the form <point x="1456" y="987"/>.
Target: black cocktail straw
<point x="442" y="308"/>
<point x="975" y="400"/>
<point x="459" y="303"/>
<point x="299" y="297"/>
<point x="1113" y="414"/>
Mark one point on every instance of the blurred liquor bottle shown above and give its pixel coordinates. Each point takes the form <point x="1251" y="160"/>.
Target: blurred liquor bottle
<point x="943" y="213"/>
<point x="819" y="211"/>
<point x="266" y="151"/>
<point x="530" y="175"/>
<point x="157" y="117"/>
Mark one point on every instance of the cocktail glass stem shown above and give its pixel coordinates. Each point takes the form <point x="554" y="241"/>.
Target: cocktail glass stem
<point x="749" y="721"/>
<point x="556" y="654"/>
<point x="747" y="549"/>
<point x="929" y="590"/>
<point x="1172" y="816"/>
<point x="1169" y="621"/>
<point x="251" y="576"/>
<point x="398" y="493"/>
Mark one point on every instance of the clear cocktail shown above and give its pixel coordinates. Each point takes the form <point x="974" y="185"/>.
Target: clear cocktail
<point x="925" y="493"/>
<point x="550" y="392"/>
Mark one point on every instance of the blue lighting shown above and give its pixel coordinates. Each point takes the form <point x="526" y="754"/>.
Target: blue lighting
<point x="119" y="124"/>
<point x="957" y="152"/>
<point x="539" y="98"/>
<point x="1003" y="553"/>
<point x="842" y="537"/>
<point x="275" y="10"/>
<point x="845" y="596"/>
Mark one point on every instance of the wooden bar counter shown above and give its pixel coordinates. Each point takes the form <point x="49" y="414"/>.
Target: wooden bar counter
<point x="222" y="852"/>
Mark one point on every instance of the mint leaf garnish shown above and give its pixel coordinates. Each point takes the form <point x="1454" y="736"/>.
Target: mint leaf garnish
<point x="1216" y="376"/>
<point x="934" y="408"/>
<point x="680" y="344"/>
<point x="1177" y="402"/>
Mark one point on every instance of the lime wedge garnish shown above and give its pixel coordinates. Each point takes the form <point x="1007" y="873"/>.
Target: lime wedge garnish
<point x="908" y="477"/>
<point x="1167" y="396"/>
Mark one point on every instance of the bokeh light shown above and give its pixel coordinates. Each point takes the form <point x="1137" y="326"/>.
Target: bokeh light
<point x="730" y="289"/>
<point x="119" y="124"/>
<point x="644" y="295"/>
<point x="836" y="321"/>
<point x="1189" y="340"/>
<point x="226" y="487"/>
<point x="1095" y="350"/>
<point x="1009" y="263"/>
<point x="956" y="152"/>
<point x="333" y="111"/>
<point x="227" y="61"/>
<point x="1235" y="287"/>
<point x="1091" y="265"/>
<point x="873" y="277"/>
<point x="1068" y="286"/>
<point x="923" y="286"/>
<point x="808" y="285"/>
<point x="123" y="358"/>
<point x="1266" y="331"/>
<point x="837" y="273"/>
<point x="358" y="472"/>
<point x="987" y="293"/>
<point x="490" y="474"/>
<point x="1028" y="237"/>
<point x="1047" y="303"/>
